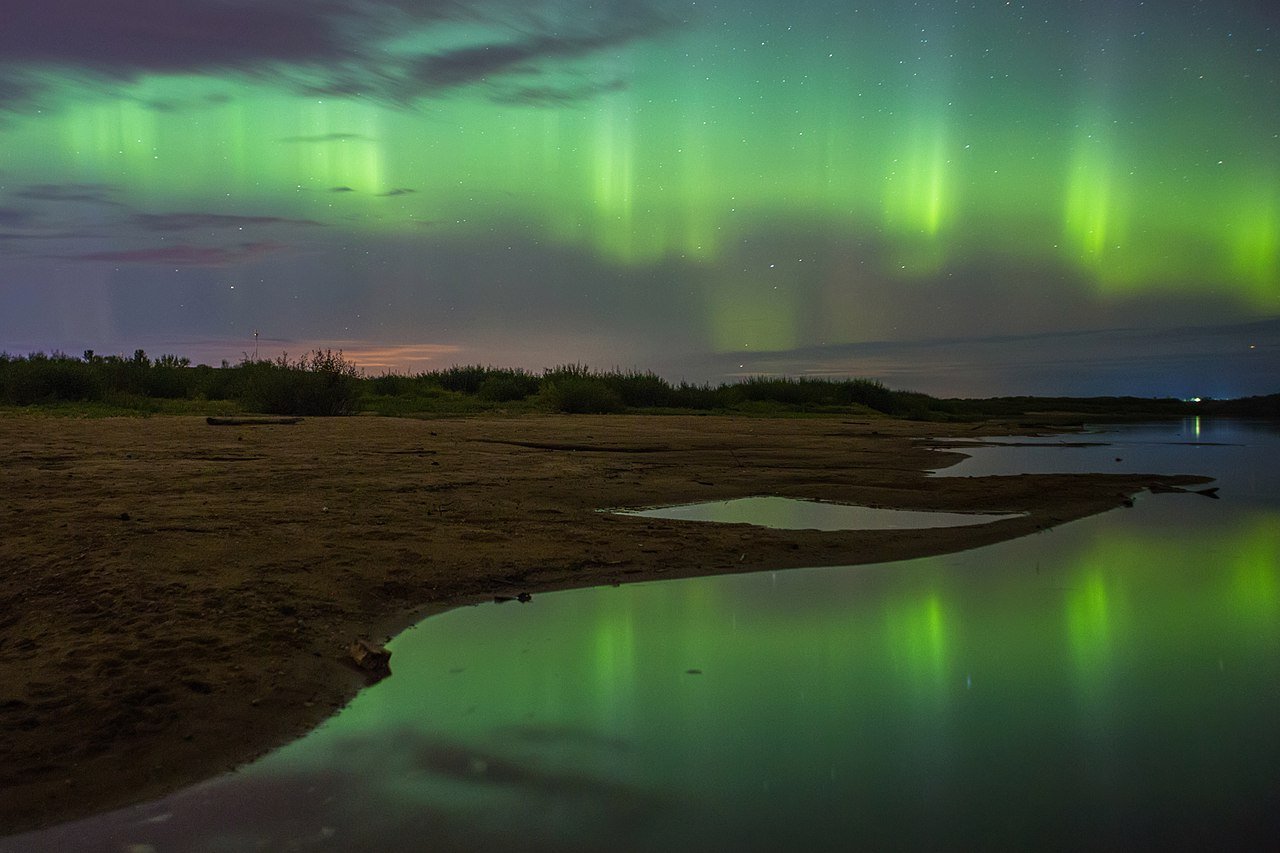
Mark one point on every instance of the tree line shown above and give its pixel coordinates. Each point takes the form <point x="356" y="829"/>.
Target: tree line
<point x="325" y="382"/>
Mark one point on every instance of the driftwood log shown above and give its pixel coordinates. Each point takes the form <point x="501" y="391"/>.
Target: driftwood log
<point x="212" y="421"/>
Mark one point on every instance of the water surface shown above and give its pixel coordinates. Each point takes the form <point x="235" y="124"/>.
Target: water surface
<point x="791" y="514"/>
<point x="1113" y="683"/>
<point x="1221" y="448"/>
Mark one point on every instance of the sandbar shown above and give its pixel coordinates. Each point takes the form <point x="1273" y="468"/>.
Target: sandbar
<point x="178" y="598"/>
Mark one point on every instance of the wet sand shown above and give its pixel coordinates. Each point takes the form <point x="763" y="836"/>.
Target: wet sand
<point x="177" y="598"/>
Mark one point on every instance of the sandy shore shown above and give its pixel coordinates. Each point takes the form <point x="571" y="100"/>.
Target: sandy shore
<point x="177" y="598"/>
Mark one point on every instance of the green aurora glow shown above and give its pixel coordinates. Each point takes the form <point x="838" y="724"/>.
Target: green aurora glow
<point x="1132" y="150"/>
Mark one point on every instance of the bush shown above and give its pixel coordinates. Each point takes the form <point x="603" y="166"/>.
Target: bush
<point x="914" y="406"/>
<point x="465" y="379"/>
<point x="505" y="386"/>
<point x="218" y="383"/>
<point x="581" y="395"/>
<point x="40" y="378"/>
<point x="871" y="394"/>
<point x="567" y="371"/>
<point x="391" y="385"/>
<point x="641" y="390"/>
<point x="322" y="383"/>
<point x="686" y="396"/>
<point x="815" y="393"/>
<point x="170" y="378"/>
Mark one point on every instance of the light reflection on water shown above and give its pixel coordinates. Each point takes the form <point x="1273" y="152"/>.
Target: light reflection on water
<point x="1112" y="682"/>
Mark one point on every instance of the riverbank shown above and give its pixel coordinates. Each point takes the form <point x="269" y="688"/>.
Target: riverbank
<point x="177" y="598"/>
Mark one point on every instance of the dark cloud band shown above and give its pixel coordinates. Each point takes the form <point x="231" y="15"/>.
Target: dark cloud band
<point x="191" y="221"/>
<point x="331" y="46"/>
<point x="185" y="256"/>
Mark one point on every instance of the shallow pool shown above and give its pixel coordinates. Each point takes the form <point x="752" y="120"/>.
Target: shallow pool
<point x="792" y="514"/>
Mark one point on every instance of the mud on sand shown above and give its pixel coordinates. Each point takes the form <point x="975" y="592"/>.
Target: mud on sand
<point x="177" y="598"/>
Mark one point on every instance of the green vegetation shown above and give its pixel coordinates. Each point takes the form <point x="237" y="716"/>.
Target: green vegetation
<point x="326" y="383"/>
<point x="322" y="383"/>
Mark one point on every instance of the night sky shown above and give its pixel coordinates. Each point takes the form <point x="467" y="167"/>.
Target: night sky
<point x="972" y="198"/>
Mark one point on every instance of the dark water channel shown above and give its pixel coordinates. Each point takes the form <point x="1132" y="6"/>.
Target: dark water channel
<point x="1111" y="683"/>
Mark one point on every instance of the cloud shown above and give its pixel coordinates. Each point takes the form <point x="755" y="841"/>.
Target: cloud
<point x="191" y="221"/>
<point x="44" y="234"/>
<point x="329" y="137"/>
<point x="18" y="225"/>
<point x="341" y="190"/>
<point x="173" y="105"/>
<point x="351" y="48"/>
<point x="556" y="96"/>
<point x="127" y="37"/>
<point x="466" y="65"/>
<point x="92" y="193"/>
<point x="185" y="256"/>
<point x="479" y="62"/>
<point x="397" y="191"/>
<point x="403" y="358"/>
<point x="14" y="89"/>
<point x="11" y="217"/>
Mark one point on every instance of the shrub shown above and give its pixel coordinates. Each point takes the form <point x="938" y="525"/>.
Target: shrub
<point x="465" y="379"/>
<point x="41" y="378"/>
<point x="567" y="371"/>
<point x="913" y="406"/>
<point x="213" y="383"/>
<point x="322" y="383"/>
<point x="169" y="377"/>
<point x="641" y="390"/>
<point x="505" y="386"/>
<point x="581" y="395"/>
<point x="391" y="385"/>
<point x="868" y="393"/>
<point x="813" y="393"/>
<point x="686" y="396"/>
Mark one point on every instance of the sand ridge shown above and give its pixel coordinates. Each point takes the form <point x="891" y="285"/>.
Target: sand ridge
<point x="177" y="598"/>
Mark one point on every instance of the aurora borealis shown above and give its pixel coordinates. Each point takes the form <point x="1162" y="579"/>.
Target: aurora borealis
<point x="968" y="198"/>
